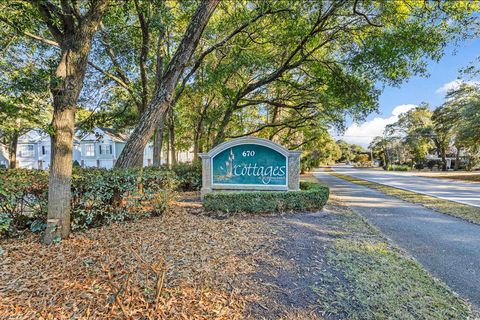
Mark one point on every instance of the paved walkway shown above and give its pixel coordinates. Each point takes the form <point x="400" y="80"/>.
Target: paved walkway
<point x="448" y="247"/>
<point x="458" y="191"/>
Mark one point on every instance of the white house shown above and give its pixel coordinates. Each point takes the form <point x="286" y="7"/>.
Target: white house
<point x="102" y="147"/>
<point x="34" y="150"/>
<point x="4" y="157"/>
<point x="99" y="148"/>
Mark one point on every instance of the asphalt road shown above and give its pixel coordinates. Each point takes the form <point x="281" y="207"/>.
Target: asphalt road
<point x="446" y="246"/>
<point x="458" y="191"/>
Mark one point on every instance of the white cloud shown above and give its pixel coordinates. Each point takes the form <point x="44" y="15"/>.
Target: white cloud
<point x="398" y="110"/>
<point x="453" y="85"/>
<point x="364" y="133"/>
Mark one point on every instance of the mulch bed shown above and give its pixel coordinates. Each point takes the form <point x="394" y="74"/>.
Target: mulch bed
<point x="183" y="265"/>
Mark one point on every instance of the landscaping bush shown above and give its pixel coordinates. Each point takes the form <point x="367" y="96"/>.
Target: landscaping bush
<point x="189" y="175"/>
<point x="313" y="197"/>
<point x="398" y="167"/>
<point x="99" y="196"/>
<point x="23" y="198"/>
<point x="434" y="163"/>
<point x="419" y="166"/>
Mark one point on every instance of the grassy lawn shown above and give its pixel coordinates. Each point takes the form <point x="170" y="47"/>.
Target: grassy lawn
<point x="368" y="278"/>
<point x="470" y="176"/>
<point x="455" y="209"/>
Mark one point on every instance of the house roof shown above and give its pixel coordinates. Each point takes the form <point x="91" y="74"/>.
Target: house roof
<point x="97" y="134"/>
<point x="114" y="135"/>
<point x="38" y="135"/>
<point x="33" y="136"/>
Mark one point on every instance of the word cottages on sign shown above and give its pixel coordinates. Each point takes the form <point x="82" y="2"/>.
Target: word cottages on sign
<point x="250" y="164"/>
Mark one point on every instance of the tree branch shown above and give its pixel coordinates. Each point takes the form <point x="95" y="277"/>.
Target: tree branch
<point x="28" y="34"/>
<point x="112" y="56"/>
<point x="44" y="8"/>
<point x="364" y="15"/>
<point x="219" y="44"/>
<point x="143" y="54"/>
<point x="287" y="64"/>
<point x="295" y="124"/>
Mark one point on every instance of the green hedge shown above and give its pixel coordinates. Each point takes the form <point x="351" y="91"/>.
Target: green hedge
<point x="313" y="196"/>
<point x="189" y="175"/>
<point x="398" y="167"/>
<point x="99" y="196"/>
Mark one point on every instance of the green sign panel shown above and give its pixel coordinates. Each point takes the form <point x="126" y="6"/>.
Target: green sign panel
<point x="249" y="164"/>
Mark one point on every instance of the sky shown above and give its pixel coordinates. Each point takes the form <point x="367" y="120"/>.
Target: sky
<point x="443" y="75"/>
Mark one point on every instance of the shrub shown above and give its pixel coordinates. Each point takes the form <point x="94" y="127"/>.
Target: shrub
<point x="189" y="175"/>
<point x="23" y="198"/>
<point x="419" y="166"/>
<point x="99" y="196"/>
<point x="398" y="167"/>
<point x="434" y="163"/>
<point x="312" y="197"/>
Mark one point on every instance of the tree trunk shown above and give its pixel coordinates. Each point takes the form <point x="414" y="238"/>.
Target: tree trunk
<point x="167" y="148"/>
<point x="220" y="137"/>
<point x="59" y="181"/>
<point x="157" y="147"/>
<point x="13" y="151"/>
<point x="162" y="97"/>
<point x="457" y="159"/>
<point x="75" y="41"/>
<point x="444" y="159"/>
<point x="196" y="146"/>
<point x="70" y="71"/>
<point x="158" y="143"/>
<point x="171" y="128"/>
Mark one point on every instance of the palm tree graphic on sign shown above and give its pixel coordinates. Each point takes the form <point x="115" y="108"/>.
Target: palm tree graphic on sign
<point x="229" y="164"/>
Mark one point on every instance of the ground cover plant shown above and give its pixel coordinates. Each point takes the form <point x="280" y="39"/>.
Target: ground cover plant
<point x="312" y="196"/>
<point x="455" y="209"/>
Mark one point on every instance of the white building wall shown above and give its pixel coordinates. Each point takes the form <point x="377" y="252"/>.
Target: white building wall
<point x="4" y="156"/>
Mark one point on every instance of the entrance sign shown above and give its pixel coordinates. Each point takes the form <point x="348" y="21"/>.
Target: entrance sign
<point x="250" y="164"/>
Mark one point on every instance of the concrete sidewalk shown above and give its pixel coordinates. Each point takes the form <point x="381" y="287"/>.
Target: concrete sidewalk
<point x="446" y="246"/>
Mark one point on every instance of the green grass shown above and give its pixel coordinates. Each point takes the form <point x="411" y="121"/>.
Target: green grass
<point x="368" y="278"/>
<point x="455" y="209"/>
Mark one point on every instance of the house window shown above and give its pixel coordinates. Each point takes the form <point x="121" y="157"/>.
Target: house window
<point x="105" y="149"/>
<point x="45" y="150"/>
<point x="26" y="150"/>
<point x="89" y="150"/>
